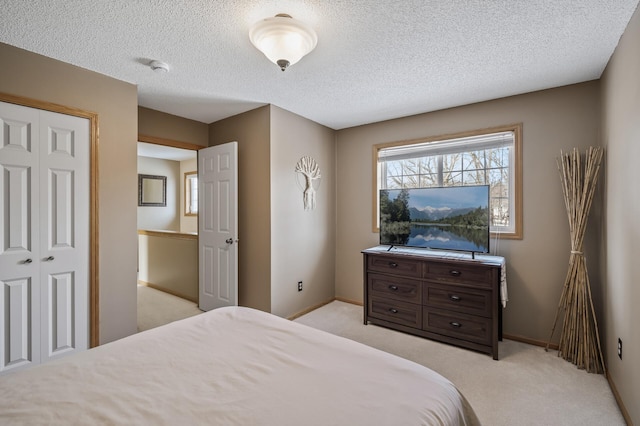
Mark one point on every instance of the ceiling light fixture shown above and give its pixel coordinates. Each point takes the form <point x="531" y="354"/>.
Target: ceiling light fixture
<point x="282" y="39"/>
<point x="159" y="66"/>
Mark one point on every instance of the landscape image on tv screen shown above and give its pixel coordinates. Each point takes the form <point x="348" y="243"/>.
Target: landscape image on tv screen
<point x="451" y="218"/>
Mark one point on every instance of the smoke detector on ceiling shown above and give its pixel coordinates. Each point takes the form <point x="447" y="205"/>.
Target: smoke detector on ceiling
<point x="159" y="66"/>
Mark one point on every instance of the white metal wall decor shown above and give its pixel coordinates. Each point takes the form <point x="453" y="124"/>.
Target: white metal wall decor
<point x="308" y="167"/>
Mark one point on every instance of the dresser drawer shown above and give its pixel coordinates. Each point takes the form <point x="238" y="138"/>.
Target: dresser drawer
<point x="388" y="287"/>
<point x="395" y="265"/>
<point x="460" y="299"/>
<point x="479" y="275"/>
<point x="395" y="311"/>
<point x="458" y="325"/>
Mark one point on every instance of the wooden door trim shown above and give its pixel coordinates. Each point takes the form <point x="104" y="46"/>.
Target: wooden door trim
<point x="94" y="288"/>
<point x="169" y="142"/>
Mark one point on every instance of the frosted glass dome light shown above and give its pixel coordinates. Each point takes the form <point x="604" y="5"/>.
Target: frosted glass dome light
<point x="282" y="39"/>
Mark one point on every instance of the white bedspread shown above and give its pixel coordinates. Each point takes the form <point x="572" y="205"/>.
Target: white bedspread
<point x="232" y="366"/>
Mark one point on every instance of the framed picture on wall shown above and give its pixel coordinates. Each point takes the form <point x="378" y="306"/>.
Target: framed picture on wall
<point x="152" y="191"/>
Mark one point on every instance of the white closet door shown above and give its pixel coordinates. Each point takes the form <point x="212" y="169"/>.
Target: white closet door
<point x="64" y="233"/>
<point x="44" y="239"/>
<point x="19" y="245"/>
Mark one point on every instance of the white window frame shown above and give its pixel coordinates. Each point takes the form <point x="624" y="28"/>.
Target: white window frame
<point x="447" y="144"/>
<point x="189" y="203"/>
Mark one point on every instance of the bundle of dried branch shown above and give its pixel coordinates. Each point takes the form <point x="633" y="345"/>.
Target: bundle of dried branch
<point x="579" y="339"/>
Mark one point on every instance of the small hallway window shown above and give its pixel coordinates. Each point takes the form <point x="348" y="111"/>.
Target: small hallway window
<point x="191" y="193"/>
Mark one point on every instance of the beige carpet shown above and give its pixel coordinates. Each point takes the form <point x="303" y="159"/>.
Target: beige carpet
<point x="527" y="386"/>
<point x="156" y="308"/>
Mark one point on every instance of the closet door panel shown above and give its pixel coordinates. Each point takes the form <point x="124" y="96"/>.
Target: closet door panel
<point x="64" y="227"/>
<point x="16" y="209"/>
<point x="21" y="346"/>
<point x="19" y="159"/>
<point x="19" y="242"/>
<point x="61" y="321"/>
<point x="61" y="206"/>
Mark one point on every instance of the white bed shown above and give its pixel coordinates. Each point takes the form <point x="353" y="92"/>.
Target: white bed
<point x="232" y="366"/>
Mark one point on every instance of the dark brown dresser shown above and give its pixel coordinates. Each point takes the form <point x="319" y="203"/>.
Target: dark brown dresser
<point x="450" y="298"/>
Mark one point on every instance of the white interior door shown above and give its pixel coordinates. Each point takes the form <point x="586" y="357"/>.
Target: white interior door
<point x="44" y="239"/>
<point x="218" y="226"/>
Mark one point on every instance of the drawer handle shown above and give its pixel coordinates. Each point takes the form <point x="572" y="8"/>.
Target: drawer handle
<point x="455" y="273"/>
<point x="393" y="287"/>
<point x="455" y="324"/>
<point x="393" y="310"/>
<point x="393" y="264"/>
<point x="455" y="298"/>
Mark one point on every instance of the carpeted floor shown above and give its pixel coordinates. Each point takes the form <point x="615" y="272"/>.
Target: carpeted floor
<point x="156" y="308"/>
<point x="527" y="386"/>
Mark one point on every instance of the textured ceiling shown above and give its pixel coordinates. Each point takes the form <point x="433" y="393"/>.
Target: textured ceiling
<point x="375" y="59"/>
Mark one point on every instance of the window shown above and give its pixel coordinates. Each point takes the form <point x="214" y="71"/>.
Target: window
<point x="489" y="157"/>
<point x="191" y="193"/>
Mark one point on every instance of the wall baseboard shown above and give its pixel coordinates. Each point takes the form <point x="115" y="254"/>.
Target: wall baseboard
<point x="165" y="290"/>
<point x="616" y="395"/>
<point x="529" y="341"/>
<point x="353" y="302"/>
<point x="319" y="305"/>
<point x="309" y="309"/>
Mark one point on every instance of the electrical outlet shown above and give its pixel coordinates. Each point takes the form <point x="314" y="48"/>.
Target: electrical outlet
<point x="299" y="285"/>
<point x="619" y="348"/>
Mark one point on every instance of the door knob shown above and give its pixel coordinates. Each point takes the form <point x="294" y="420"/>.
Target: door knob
<point x="229" y="241"/>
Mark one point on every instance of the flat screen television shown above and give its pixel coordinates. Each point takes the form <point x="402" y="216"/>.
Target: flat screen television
<point x="450" y="218"/>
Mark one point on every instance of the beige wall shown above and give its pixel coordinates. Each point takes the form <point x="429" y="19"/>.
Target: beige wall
<point x="251" y="131"/>
<point x="169" y="262"/>
<point x="165" y="218"/>
<point x="167" y="126"/>
<point x="302" y="241"/>
<point x="280" y="242"/>
<point x="26" y="74"/>
<point x="621" y="138"/>
<point x="536" y="265"/>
